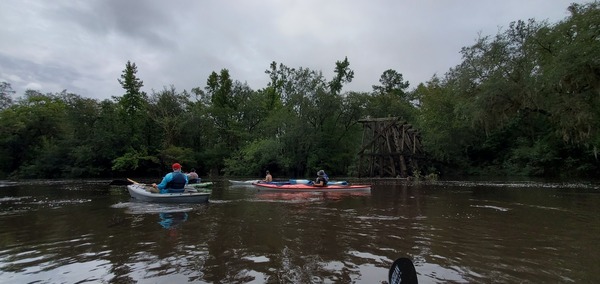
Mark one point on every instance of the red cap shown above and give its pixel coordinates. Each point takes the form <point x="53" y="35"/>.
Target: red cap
<point x="176" y="166"/>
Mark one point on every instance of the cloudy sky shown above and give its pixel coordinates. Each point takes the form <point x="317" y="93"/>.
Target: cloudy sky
<point x="83" y="45"/>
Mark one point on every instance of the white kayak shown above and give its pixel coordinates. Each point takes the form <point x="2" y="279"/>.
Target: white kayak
<point x="139" y="192"/>
<point x="244" y="182"/>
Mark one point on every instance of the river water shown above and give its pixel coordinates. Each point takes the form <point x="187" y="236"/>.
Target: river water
<point x="454" y="231"/>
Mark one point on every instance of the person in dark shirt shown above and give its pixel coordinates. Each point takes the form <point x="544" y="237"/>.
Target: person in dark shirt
<point x="322" y="179"/>
<point x="193" y="176"/>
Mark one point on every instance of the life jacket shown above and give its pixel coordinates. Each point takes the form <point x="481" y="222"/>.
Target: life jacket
<point x="321" y="178"/>
<point x="177" y="182"/>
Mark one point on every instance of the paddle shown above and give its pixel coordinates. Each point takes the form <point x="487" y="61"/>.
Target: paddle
<point x="120" y="182"/>
<point x="402" y="272"/>
<point x="145" y="186"/>
<point x="132" y="181"/>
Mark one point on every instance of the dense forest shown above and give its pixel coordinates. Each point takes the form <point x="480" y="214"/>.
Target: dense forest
<point x="525" y="101"/>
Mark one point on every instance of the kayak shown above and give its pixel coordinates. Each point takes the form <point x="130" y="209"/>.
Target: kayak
<point x="201" y="185"/>
<point x="306" y="181"/>
<point x="283" y="182"/>
<point x="306" y="187"/>
<point x="244" y="182"/>
<point x="191" y="195"/>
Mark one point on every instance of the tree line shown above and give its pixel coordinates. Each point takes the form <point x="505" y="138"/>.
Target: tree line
<point x="523" y="102"/>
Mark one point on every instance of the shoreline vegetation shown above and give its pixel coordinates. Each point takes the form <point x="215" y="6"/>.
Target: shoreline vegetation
<point x="523" y="102"/>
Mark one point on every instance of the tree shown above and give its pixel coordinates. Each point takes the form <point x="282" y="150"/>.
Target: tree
<point x="568" y="62"/>
<point x="134" y="128"/>
<point x="392" y="82"/>
<point x="6" y="92"/>
<point x="343" y="74"/>
<point x="134" y="100"/>
<point x="446" y="135"/>
<point x="391" y="98"/>
<point x="35" y="133"/>
<point x="167" y="110"/>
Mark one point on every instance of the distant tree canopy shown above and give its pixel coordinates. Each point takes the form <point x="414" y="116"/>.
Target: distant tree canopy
<point x="523" y="102"/>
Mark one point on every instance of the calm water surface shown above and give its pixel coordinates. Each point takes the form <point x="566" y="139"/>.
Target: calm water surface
<point x="455" y="232"/>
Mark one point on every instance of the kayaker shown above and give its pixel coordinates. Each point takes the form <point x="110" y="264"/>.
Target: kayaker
<point x="321" y="179"/>
<point x="325" y="176"/>
<point x="268" y="177"/>
<point x="172" y="182"/>
<point x="193" y="176"/>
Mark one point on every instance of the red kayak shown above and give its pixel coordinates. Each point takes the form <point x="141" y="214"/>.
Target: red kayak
<point x="306" y="187"/>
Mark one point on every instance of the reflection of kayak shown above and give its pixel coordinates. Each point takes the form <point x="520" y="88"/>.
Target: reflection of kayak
<point x="309" y="196"/>
<point x="201" y="185"/>
<point x="306" y="187"/>
<point x="139" y="193"/>
<point x="170" y="220"/>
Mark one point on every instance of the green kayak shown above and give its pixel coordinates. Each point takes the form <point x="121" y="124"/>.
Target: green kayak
<point x="201" y="185"/>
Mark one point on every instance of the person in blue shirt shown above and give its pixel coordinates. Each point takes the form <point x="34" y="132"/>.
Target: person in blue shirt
<point x="173" y="182"/>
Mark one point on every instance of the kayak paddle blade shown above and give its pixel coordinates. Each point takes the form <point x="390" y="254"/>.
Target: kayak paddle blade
<point x="402" y="272"/>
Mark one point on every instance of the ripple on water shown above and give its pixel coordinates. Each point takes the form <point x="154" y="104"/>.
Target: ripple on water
<point x="257" y="259"/>
<point x="523" y="184"/>
<point x="54" y="262"/>
<point x="23" y="204"/>
<point x="491" y="207"/>
<point x="151" y="208"/>
<point x="13" y="199"/>
<point x="433" y="273"/>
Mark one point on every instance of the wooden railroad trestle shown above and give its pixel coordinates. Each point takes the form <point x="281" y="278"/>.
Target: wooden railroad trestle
<point x="390" y="148"/>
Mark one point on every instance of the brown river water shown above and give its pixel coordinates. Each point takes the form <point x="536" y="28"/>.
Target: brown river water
<point x="454" y="231"/>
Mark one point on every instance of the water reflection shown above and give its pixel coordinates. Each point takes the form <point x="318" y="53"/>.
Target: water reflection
<point x="172" y="220"/>
<point x="455" y="232"/>
<point x="309" y="196"/>
<point x="171" y="216"/>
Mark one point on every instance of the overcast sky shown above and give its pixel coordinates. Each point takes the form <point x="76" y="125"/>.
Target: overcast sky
<point x="83" y="46"/>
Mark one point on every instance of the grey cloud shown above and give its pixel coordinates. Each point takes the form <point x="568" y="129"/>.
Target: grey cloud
<point x="51" y="78"/>
<point x="83" y="45"/>
<point x="142" y="20"/>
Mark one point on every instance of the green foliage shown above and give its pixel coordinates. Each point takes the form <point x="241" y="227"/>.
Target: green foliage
<point x="446" y="133"/>
<point x="167" y="111"/>
<point x="532" y="158"/>
<point x="519" y="100"/>
<point x="174" y="154"/>
<point x="132" y="107"/>
<point x="523" y="102"/>
<point x="391" y="82"/>
<point x="390" y="99"/>
<point x="50" y="160"/>
<point x="343" y="74"/>
<point x="132" y="160"/>
<point x="254" y="158"/>
<point x="134" y="100"/>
